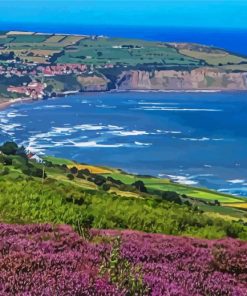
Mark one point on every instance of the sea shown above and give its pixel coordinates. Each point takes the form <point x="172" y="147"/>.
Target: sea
<point x="193" y="138"/>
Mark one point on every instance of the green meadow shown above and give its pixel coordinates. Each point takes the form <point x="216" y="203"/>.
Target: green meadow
<point x="99" y="51"/>
<point x="61" y="191"/>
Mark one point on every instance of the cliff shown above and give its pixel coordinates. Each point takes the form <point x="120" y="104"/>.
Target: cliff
<point x="93" y="83"/>
<point x="197" y="79"/>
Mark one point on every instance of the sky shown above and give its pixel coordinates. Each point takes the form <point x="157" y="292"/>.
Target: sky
<point x="144" y="13"/>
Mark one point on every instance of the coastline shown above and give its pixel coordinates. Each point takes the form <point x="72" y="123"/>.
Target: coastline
<point x="14" y="106"/>
<point x="7" y="103"/>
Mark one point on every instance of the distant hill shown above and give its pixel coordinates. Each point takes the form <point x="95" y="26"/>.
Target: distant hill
<point x="112" y="63"/>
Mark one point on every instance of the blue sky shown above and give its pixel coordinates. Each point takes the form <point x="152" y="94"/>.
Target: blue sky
<point x="162" y="13"/>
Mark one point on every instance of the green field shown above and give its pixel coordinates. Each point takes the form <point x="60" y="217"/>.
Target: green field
<point x="167" y="185"/>
<point x="126" y="52"/>
<point x="214" y="59"/>
<point x="99" y="51"/>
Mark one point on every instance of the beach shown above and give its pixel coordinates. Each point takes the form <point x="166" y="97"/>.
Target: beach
<point x="5" y="104"/>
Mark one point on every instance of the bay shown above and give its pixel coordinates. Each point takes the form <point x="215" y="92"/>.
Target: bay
<point x="194" y="138"/>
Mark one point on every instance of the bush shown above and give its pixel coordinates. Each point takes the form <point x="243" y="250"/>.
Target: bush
<point x="172" y="197"/>
<point x="4" y="171"/>
<point x="140" y="186"/>
<point x="70" y="177"/>
<point x="80" y="175"/>
<point x="97" y="179"/>
<point x="9" y="148"/>
<point x="106" y="187"/>
<point x="74" y="170"/>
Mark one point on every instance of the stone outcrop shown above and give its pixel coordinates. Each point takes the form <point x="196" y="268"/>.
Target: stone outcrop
<point x="197" y="79"/>
<point x="93" y="83"/>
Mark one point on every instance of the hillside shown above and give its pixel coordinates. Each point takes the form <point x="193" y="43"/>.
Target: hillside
<point x="36" y="65"/>
<point x="64" y="192"/>
<point x="103" y="250"/>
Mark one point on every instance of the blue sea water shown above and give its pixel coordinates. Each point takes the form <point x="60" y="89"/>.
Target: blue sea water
<point x="193" y="138"/>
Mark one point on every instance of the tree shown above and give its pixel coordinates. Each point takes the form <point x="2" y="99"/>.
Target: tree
<point x="139" y="185"/>
<point x="21" y="151"/>
<point x="70" y="177"/>
<point x="80" y="175"/>
<point x="9" y="148"/>
<point x="74" y="170"/>
<point x="172" y="197"/>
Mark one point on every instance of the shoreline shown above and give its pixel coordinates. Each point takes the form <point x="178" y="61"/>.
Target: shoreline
<point x="6" y="104"/>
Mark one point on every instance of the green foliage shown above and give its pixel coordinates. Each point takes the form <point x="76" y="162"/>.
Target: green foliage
<point x="27" y="201"/>
<point x="9" y="148"/>
<point x="70" y="177"/>
<point x="27" y="196"/>
<point x="172" y="197"/>
<point x="122" y="273"/>
<point x="139" y="185"/>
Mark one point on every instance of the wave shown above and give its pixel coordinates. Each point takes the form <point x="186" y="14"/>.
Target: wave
<point x="156" y="103"/>
<point x="168" y="132"/>
<point x="9" y="127"/>
<point x="91" y="144"/>
<point x="14" y="115"/>
<point x="52" y="107"/>
<point x="183" y="180"/>
<point x="234" y="191"/>
<point x="143" y="144"/>
<point x="236" y="181"/>
<point x="96" y="127"/>
<point x="129" y="133"/>
<point x="106" y="106"/>
<point x="154" y="108"/>
<point x="3" y="120"/>
<point x="203" y="139"/>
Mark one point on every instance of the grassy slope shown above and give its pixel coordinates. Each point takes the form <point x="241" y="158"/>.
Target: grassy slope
<point x="60" y="199"/>
<point x="231" y="205"/>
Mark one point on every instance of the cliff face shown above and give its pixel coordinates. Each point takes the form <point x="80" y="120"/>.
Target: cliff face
<point x="93" y="83"/>
<point x="201" y="78"/>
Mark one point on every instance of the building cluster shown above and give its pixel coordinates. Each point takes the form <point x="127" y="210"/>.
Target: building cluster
<point x="61" y="69"/>
<point x="51" y="70"/>
<point x="34" y="90"/>
<point x="10" y="71"/>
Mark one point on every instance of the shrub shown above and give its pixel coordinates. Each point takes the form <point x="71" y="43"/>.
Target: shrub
<point x="74" y="170"/>
<point x="140" y="186"/>
<point x="70" y="177"/>
<point x="172" y="197"/>
<point x="9" y="148"/>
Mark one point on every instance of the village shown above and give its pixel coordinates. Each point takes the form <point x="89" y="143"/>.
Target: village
<point x="35" y="89"/>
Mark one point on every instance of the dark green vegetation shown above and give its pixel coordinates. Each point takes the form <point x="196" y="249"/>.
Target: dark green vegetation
<point x="65" y="192"/>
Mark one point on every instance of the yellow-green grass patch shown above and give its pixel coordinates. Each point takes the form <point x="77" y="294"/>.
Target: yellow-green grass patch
<point x="211" y="196"/>
<point x="60" y="161"/>
<point x="55" y="39"/>
<point x="92" y="169"/>
<point x="71" y="40"/>
<point x="240" y="67"/>
<point x="213" y="58"/>
<point x="241" y="205"/>
<point x="224" y="216"/>
<point x="125" y="193"/>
